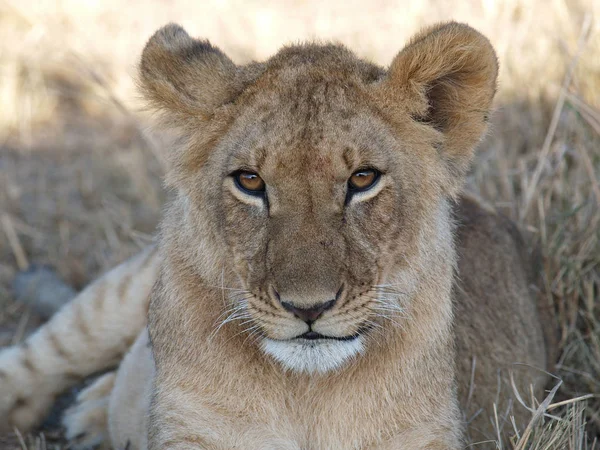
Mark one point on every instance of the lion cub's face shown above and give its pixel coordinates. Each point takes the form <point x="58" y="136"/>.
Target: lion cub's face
<point x="322" y="178"/>
<point x="313" y="204"/>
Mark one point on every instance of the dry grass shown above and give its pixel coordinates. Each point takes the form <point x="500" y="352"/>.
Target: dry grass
<point x="79" y="177"/>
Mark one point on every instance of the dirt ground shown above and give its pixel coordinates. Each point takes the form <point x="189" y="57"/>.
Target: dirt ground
<point x="80" y="171"/>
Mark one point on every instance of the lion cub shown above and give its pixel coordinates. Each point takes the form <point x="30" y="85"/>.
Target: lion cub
<point x="305" y="271"/>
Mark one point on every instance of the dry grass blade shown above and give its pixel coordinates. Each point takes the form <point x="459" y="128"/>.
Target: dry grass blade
<point x="543" y="155"/>
<point x="13" y="239"/>
<point x="570" y="401"/>
<point x="539" y="413"/>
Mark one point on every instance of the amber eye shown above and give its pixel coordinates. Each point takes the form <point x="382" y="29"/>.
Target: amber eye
<point x="249" y="182"/>
<point x="361" y="180"/>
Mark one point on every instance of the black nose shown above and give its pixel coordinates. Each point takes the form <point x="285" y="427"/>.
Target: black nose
<point x="309" y="315"/>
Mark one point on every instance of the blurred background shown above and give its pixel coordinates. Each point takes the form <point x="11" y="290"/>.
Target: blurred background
<point x="80" y="172"/>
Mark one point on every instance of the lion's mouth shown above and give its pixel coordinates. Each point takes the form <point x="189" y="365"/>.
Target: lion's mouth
<point x="313" y="335"/>
<point x="313" y="352"/>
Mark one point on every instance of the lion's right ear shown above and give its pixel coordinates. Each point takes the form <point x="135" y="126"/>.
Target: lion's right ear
<point x="185" y="77"/>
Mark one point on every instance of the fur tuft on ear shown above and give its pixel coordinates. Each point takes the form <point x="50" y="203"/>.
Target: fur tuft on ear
<point x="447" y="76"/>
<point x="186" y="77"/>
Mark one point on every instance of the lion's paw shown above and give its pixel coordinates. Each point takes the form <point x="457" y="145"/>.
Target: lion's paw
<point x="86" y="422"/>
<point x="26" y="394"/>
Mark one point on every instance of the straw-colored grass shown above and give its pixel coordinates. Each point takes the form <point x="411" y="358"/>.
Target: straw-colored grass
<point x="80" y="178"/>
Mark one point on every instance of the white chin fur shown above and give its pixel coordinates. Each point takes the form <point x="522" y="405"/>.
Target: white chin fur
<point x="313" y="356"/>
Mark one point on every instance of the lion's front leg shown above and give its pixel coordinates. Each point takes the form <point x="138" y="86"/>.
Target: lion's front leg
<point x="129" y="402"/>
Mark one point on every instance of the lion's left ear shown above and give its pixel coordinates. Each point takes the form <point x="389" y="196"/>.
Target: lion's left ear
<point x="446" y="76"/>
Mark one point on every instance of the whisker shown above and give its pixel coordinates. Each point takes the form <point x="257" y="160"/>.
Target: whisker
<point x="392" y="300"/>
<point x="390" y="319"/>
<point x="250" y="320"/>
<point x="385" y="292"/>
<point x="252" y="329"/>
<point x="390" y="309"/>
<point x="236" y="314"/>
<point x="239" y="306"/>
<point x="226" y="288"/>
<point x="253" y="333"/>
<point x="237" y="295"/>
<point x="389" y="285"/>
<point x="375" y="330"/>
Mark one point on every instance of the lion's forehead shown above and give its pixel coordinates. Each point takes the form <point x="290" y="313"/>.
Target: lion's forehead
<point x="324" y="135"/>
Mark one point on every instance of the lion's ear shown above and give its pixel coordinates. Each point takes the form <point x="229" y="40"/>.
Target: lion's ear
<point x="446" y="76"/>
<point x="186" y="77"/>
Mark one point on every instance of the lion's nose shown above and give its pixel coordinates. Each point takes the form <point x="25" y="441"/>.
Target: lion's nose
<point x="309" y="315"/>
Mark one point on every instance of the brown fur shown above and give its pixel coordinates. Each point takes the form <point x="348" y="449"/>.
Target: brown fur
<point x="305" y="120"/>
<point x="497" y="322"/>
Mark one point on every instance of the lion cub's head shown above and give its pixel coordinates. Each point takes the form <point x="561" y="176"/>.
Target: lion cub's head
<point x="317" y="184"/>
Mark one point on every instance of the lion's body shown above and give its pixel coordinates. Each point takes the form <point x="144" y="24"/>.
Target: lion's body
<point x="380" y="373"/>
<point x="486" y="331"/>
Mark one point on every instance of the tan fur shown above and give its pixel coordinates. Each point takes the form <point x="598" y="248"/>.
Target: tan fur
<point x="305" y="120"/>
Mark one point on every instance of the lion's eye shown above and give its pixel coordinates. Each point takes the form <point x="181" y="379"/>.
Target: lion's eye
<point x="249" y="182"/>
<point x="361" y="180"/>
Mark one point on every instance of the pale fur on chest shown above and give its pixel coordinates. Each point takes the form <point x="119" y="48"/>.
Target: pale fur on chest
<point x="374" y="400"/>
